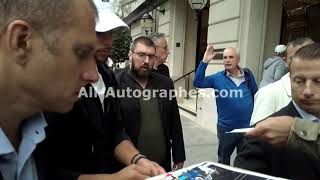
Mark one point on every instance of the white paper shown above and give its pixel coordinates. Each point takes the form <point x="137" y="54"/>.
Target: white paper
<point x="243" y="130"/>
<point x="223" y="170"/>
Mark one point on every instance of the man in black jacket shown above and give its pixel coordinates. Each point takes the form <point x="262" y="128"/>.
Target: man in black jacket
<point x="150" y="112"/>
<point x="162" y="52"/>
<point x="282" y="160"/>
<point x="82" y="143"/>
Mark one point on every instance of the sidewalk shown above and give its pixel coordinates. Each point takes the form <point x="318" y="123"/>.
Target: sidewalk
<point x="200" y="144"/>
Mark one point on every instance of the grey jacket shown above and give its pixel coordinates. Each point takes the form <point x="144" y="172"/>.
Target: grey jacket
<point x="304" y="135"/>
<point x="273" y="69"/>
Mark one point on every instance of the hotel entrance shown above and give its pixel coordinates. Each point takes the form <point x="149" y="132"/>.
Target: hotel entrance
<point x="300" y="18"/>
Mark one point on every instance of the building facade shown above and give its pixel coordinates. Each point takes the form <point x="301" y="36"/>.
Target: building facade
<point x="254" y="27"/>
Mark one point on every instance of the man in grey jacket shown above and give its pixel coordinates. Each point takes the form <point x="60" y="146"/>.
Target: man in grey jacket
<point x="275" y="67"/>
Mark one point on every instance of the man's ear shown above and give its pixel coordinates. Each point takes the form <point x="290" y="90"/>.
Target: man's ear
<point x="18" y="41"/>
<point x="130" y="56"/>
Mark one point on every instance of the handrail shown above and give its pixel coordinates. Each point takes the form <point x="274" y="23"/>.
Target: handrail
<point x="184" y="76"/>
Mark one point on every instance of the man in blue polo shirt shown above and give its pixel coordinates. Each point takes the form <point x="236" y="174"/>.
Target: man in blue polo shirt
<point x="234" y="111"/>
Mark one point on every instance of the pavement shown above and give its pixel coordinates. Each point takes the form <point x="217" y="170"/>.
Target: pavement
<point x="200" y="144"/>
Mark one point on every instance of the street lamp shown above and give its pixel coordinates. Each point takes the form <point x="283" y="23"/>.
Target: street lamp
<point x="197" y="5"/>
<point x="146" y="23"/>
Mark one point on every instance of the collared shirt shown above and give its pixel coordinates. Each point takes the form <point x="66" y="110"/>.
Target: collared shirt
<point x="100" y="89"/>
<point x="20" y="165"/>
<point x="237" y="79"/>
<point x="305" y="115"/>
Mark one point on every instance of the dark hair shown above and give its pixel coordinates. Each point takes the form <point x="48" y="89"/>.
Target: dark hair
<point x="143" y="40"/>
<point x="308" y="52"/>
<point x="300" y="41"/>
<point x="45" y="16"/>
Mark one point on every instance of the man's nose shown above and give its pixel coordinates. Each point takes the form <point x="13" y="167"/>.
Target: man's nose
<point x="90" y="75"/>
<point x="308" y="91"/>
<point x="147" y="59"/>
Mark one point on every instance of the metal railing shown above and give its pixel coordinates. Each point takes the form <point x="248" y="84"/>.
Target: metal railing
<point x="187" y="85"/>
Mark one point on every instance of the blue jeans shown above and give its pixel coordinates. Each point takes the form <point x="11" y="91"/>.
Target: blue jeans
<point x="227" y="144"/>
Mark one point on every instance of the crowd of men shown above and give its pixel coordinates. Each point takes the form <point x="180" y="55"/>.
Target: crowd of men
<point x="50" y="51"/>
<point x="46" y="62"/>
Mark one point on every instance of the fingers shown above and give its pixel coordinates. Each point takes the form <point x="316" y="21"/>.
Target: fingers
<point x="161" y="170"/>
<point x="141" y="171"/>
<point x="157" y="169"/>
<point x="153" y="168"/>
<point x="255" y="132"/>
<point x="209" y="54"/>
<point x="210" y="48"/>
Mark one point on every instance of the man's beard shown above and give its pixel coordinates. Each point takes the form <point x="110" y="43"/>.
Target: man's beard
<point x="140" y="73"/>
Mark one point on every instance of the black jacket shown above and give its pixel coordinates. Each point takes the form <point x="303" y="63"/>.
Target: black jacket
<point x="130" y="111"/>
<point x="277" y="160"/>
<point x="83" y="140"/>
<point x="162" y="69"/>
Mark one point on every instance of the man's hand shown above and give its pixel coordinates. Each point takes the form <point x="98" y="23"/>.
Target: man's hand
<point x="153" y="168"/>
<point x="177" y="166"/>
<point x="209" y="54"/>
<point x="274" y="130"/>
<point x="132" y="172"/>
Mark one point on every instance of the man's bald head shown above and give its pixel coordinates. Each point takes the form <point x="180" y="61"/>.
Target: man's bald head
<point x="231" y="58"/>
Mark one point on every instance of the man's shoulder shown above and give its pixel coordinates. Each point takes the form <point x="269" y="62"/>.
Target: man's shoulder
<point x="163" y="66"/>
<point x="162" y="79"/>
<point x="218" y="74"/>
<point x="275" y="87"/>
<point x="288" y="110"/>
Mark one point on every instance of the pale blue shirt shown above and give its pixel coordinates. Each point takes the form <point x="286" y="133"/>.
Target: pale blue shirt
<point x="305" y="115"/>
<point x="20" y="165"/>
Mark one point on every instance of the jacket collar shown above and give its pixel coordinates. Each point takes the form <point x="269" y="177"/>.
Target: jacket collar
<point x="285" y="81"/>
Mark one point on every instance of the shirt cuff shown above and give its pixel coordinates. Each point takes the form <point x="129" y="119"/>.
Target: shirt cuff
<point x="305" y="129"/>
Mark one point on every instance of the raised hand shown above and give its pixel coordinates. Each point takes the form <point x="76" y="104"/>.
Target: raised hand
<point x="209" y="54"/>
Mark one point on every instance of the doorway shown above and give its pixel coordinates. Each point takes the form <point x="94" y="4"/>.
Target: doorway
<point x="202" y="33"/>
<point x="300" y="18"/>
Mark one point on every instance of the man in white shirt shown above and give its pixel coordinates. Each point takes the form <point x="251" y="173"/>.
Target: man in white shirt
<point x="271" y="98"/>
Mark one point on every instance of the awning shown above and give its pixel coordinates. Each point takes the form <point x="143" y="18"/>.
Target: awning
<point x="145" y="7"/>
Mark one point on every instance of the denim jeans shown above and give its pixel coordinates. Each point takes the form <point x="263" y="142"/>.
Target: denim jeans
<point x="227" y="144"/>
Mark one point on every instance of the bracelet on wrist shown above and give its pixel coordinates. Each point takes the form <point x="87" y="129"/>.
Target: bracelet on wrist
<point x="134" y="157"/>
<point x="139" y="157"/>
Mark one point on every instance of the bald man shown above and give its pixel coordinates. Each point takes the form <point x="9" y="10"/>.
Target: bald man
<point x="234" y="90"/>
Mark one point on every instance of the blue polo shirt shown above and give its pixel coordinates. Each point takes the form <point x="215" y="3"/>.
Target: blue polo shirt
<point x="20" y="165"/>
<point x="234" y="111"/>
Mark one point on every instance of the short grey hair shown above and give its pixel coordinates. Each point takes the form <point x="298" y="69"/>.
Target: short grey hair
<point x="155" y="36"/>
<point x="43" y="15"/>
<point x="236" y="49"/>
